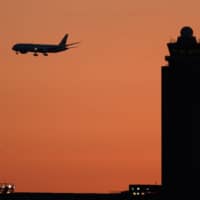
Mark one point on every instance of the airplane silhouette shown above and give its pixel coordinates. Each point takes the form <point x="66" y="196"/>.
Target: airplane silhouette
<point x="43" y="48"/>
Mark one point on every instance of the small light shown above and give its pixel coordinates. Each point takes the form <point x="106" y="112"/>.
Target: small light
<point x="134" y="193"/>
<point x="142" y="193"/>
<point x="138" y="193"/>
<point x="138" y="188"/>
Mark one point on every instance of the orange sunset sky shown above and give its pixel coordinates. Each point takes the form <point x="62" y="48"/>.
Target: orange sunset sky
<point x="87" y="119"/>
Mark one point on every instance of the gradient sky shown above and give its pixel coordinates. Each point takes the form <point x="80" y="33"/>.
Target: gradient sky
<point x="88" y="119"/>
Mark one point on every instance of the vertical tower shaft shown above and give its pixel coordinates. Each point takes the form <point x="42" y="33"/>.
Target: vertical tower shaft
<point x="181" y="116"/>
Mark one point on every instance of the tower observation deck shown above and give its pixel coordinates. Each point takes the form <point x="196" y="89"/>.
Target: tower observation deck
<point x="181" y="117"/>
<point x="185" y="50"/>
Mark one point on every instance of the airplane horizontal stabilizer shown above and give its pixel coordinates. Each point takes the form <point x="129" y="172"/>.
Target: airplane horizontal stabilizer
<point x="72" y="44"/>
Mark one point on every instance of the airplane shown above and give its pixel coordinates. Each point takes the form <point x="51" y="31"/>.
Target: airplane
<point x="43" y="48"/>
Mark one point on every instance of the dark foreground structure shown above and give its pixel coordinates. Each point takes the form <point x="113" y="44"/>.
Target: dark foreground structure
<point x="181" y="118"/>
<point x="64" y="196"/>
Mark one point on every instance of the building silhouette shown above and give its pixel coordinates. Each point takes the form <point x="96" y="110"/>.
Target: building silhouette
<point x="144" y="191"/>
<point x="181" y="117"/>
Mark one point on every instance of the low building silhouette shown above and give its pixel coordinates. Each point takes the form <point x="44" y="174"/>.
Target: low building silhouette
<point x="144" y="191"/>
<point x="7" y="188"/>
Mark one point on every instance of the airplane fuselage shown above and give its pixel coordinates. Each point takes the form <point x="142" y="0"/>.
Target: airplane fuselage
<point x="41" y="48"/>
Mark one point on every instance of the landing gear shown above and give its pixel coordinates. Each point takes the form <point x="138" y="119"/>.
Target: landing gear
<point x="35" y="51"/>
<point x="17" y="52"/>
<point x="45" y="54"/>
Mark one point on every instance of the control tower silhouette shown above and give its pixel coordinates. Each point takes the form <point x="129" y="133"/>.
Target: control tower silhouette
<point x="181" y="117"/>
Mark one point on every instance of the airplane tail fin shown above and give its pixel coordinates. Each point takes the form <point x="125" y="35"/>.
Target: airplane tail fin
<point x="64" y="40"/>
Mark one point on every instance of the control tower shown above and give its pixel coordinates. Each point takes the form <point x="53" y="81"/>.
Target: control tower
<point x="181" y="117"/>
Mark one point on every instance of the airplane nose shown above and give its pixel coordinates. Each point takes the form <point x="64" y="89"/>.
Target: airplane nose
<point x="13" y="48"/>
